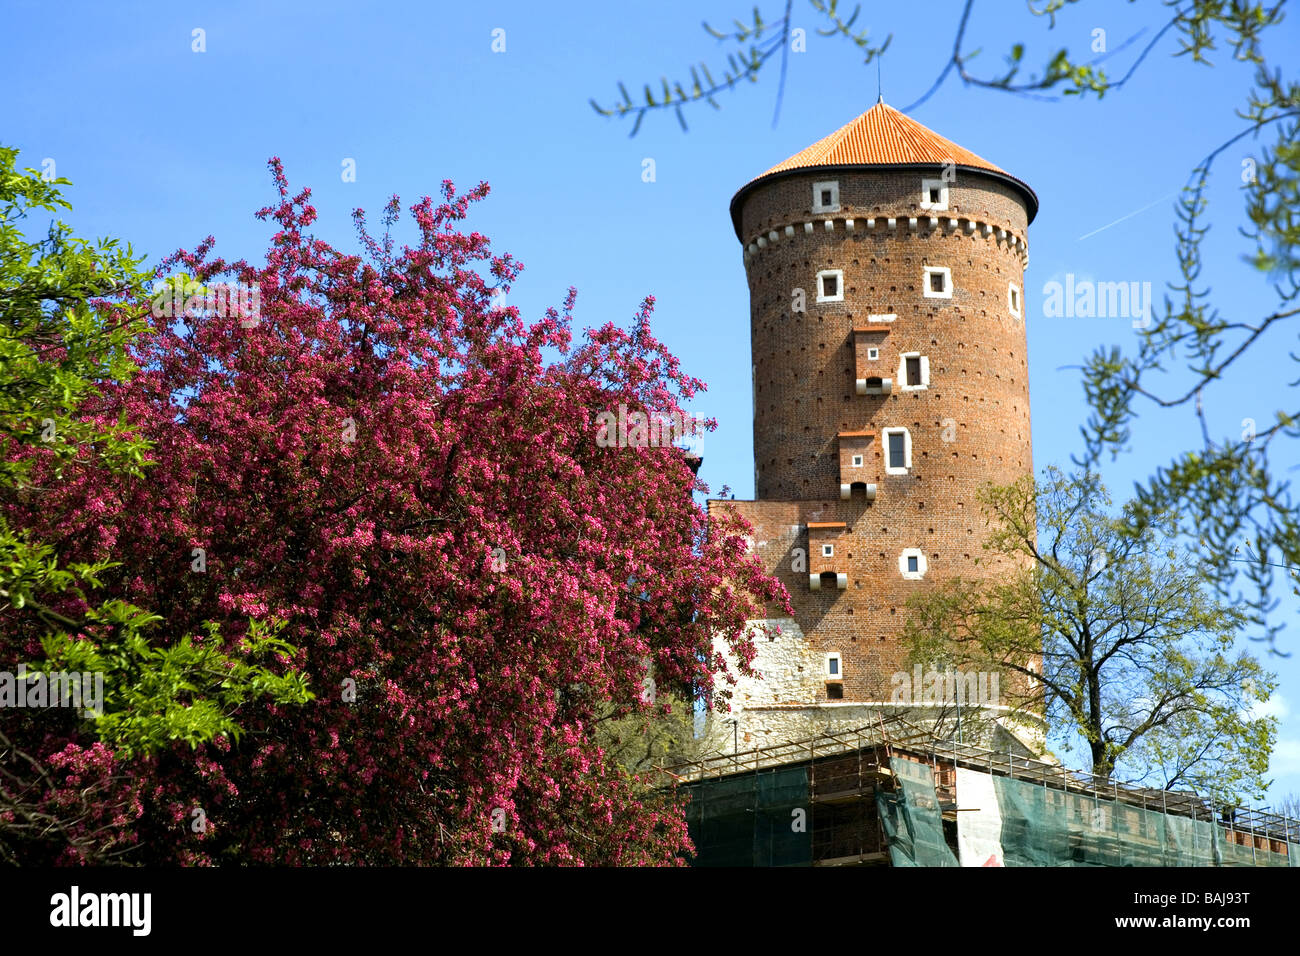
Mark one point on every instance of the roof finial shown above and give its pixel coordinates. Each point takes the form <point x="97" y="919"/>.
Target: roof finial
<point x="880" y="90"/>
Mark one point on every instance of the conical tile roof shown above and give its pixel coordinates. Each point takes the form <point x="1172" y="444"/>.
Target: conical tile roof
<point x="882" y="136"/>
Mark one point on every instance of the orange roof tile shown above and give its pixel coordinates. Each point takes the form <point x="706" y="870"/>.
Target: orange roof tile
<point x="825" y="524"/>
<point x="882" y="136"/>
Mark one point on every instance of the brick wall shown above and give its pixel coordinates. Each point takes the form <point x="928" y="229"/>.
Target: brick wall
<point x="970" y="425"/>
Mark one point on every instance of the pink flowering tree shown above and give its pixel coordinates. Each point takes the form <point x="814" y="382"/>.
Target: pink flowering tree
<point x="408" y="479"/>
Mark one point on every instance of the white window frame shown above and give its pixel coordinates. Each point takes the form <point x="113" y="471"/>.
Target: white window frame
<point x="902" y="371"/>
<point x="834" y="186"/>
<point x="883" y="317"/>
<point x="857" y="461"/>
<point x="873" y="353"/>
<point x="919" y="573"/>
<point x="946" y="272"/>
<point x="907" y="450"/>
<point x="838" y="675"/>
<point x="939" y="184"/>
<point x="839" y="285"/>
<point x="828" y="550"/>
<point x="1013" y="298"/>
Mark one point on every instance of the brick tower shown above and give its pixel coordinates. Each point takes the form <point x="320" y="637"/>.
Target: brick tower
<point x="885" y="269"/>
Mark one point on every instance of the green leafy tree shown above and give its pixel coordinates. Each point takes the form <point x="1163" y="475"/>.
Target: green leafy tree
<point x="188" y="692"/>
<point x="64" y="335"/>
<point x="1117" y="638"/>
<point x="642" y="741"/>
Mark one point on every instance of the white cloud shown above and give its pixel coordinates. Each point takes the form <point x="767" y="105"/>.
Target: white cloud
<point x="1275" y="706"/>
<point x="1286" y="757"/>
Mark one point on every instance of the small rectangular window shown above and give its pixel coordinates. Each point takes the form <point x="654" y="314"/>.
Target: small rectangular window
<point x="911" y="564"/>
<point x="828" y="551"/>
<point x="934" y="194"/>
<point x="937" y="282"/>
<point x="829" y="284"/>
<point x="897" y="455"/>
<point x="914" y="370"/>
<point x="857" y="461"/>
<point x="826" y="196"/>
<point x="873" y="354"/>
<point x="834" y="666"/>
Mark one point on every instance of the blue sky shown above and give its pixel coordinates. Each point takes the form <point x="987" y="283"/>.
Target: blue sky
<point x="165" y="146"/>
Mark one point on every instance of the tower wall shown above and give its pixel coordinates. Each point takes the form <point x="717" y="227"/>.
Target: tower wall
<point x="967" y="424"/>
<point x="804" y="363"/>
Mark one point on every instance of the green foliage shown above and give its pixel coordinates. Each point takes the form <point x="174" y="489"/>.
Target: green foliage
<point x="659" y="735"/>
<point x="29" y="569"/>
<point x="63" y="333"/>
<point x="190" y="691"/>
<point x="1116" y="637"/>
<point x="57" y="338"/>
<point x="56" y="344"/>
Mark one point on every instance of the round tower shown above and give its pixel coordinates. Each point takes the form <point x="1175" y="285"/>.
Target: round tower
<point x="885" y="269"/>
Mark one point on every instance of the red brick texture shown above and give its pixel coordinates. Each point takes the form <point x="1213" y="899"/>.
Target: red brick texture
<point x="969" y="426"/>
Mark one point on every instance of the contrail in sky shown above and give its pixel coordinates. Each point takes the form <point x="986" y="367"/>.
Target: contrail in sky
<point x="1129" y="216"/>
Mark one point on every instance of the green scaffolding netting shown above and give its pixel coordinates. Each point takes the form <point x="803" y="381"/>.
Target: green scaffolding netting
<point x="760" y="819"/>
<point x="1042" y="826"/>
<point x="911" y="818"/>
<point x="765" y="819"/>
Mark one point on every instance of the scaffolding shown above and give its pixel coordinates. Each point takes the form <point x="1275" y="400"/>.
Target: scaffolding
<point x="1244" y="833"/>
<point x="887" y="731"/>
<point x="856" y="797"/>
<point x="825" y="814"/>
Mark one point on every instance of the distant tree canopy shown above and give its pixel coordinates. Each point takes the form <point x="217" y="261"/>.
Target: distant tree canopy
<point x="1117" y="635"/>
